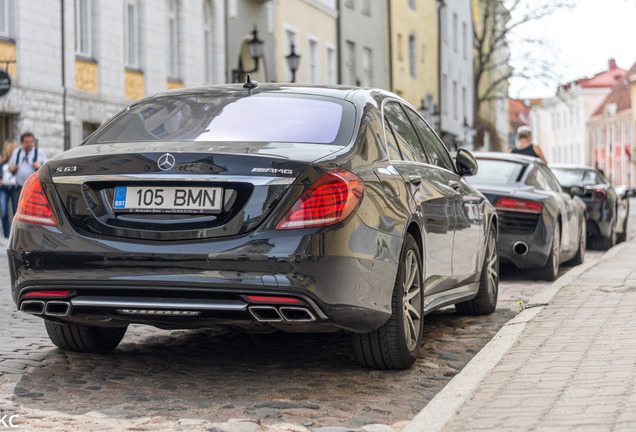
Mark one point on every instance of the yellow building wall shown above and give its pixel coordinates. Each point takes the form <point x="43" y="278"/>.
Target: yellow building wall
<point x="7" y="52"/>
<point x="306" y="19"/>
<point x="423" y="23"/>
<point x="173" y="85"/>
<point x="86" y="78"/>
<point x="134" y="83"/>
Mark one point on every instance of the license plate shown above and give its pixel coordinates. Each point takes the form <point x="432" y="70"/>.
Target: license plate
<point x="168" y="199"/>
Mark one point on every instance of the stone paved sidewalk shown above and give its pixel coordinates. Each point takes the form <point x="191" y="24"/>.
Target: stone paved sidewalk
<point x="572" y="368"/>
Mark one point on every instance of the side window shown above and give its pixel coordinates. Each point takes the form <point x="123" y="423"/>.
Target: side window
<point x="391" y="142"/>
<point x="552" y="181"/>
<point x="432" y="145"/>
<point x="407" y="139"/>
<point x="542" y="181"/>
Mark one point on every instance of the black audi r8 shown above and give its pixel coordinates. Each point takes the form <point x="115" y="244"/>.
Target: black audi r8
<point x="607" y="210"/>
<point x="296" y="208"/>
<point x="540" y="225"/>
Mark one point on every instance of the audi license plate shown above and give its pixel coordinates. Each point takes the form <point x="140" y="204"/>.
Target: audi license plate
<point x="168" y="199"/>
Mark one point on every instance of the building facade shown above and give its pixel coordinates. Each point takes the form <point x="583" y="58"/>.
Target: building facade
<point x="559" y="122"/>
<point x="413" y="31"/>
<point x="88" y="59"/>
<point x="362" y="49"/>
<point x="456" y="73"/>
<point x="310" y="26"/>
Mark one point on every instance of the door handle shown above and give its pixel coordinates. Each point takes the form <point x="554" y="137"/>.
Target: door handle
<point x="453" y="184"/>
<point x="415" y="179"/>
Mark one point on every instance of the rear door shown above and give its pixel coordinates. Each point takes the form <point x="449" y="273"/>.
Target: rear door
<point x="431" y="195"/>
<point x="466" y="203"/>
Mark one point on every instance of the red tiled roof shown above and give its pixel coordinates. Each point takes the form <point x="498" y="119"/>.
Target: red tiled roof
<point x="620" y="95"/>
<point x="519" y="111"/>
<point x="607" y="78"/>
<point x="631" y="74"/>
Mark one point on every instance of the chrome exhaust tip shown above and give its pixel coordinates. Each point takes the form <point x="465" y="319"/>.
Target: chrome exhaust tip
<point x="297" y="314"/>
<point x="265" y="314"/>
<point x="57" y="308"/>
<point x="35" y="307"/>
<point x="520" y="248"/>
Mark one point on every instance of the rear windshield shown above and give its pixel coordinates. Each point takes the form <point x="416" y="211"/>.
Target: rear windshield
<point x="577" y="177"/>
<point x="494" y="172"/>
<point x="257" y="118"/>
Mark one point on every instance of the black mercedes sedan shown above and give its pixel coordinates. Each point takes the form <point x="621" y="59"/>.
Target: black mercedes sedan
<point x="264" y="207"/>
<point x="540" y="225"/>
<point x="607" y="210"/>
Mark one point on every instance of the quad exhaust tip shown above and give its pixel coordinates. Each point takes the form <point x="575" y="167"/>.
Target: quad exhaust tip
<point x="50" y="308"/>
<point x="272" y="314"/>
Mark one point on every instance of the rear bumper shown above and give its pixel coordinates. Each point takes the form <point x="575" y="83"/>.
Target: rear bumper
<point x="342" y="278"/>
<point x="537" y="243"/>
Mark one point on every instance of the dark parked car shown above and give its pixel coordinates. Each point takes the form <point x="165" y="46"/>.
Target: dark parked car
<point x="302" y="209"/>
<point x="607" y="210"/>
<point x="540" y="225"/>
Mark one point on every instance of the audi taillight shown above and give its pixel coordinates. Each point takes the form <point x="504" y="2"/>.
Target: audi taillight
<point x="329" y="200"/>
<point x="520" y="205"/>
<point x="34" y="207"/>
<point x="599" y="195"/>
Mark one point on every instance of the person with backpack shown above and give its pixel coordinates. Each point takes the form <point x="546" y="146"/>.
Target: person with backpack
<point x="26" y="159"/>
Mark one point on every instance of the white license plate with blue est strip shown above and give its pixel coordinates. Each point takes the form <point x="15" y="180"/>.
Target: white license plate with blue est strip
<point x="168" y="199"/>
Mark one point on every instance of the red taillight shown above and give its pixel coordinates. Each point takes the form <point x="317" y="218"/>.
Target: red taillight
<point x="520" y="205"/>
<point x="34" y="207"/>
<point x="329" y="200"/>
<point x="269" y="299"/>
<point x="47" y="294"/>
<point x="599" y="195"/>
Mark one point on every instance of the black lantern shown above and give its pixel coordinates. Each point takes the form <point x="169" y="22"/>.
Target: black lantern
<point x="255" y="48"/>
<point x="293" y="60"/>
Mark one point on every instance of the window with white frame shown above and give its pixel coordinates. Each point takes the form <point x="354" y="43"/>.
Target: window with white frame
<point x="173" y="32"/>
<point x="366" y="7"/>
<point x="331" y="64"/>
<point x="131" y="22"/>
<point x="83" y="28"/>
<point x="455" y="104"/>
<point x="4" y="18"/>
<point x="455" y="38"/>
<point x="464" y="40"/>
<point x="208" y="40"/>
<point x="350" y="63"/>
<point x="312" y="62"/>
<point x="367" y="67"/>
<point x="412" y="64"/>
<point x="413" y="5"/>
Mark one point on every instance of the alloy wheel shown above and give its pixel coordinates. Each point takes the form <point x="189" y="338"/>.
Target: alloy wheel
<point x="412" y="300"/>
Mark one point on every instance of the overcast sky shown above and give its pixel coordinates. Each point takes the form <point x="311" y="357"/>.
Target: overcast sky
<point x="583" y="39"/>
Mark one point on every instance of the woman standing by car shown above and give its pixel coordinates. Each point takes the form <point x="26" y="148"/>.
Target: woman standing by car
<point x="9" y="187"/>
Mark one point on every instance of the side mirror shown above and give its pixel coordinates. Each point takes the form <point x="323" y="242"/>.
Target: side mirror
<point x="466" y="163"/>
<point x="577" y="191"/>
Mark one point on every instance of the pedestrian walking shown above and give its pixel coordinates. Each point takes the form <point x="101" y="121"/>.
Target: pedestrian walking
<point x="26" y="159"/>
<point x="525" y="146"/>
<point x="9" y="187"/>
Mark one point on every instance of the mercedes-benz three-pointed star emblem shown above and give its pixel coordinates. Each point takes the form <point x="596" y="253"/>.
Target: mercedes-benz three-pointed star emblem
<point x="166" y="162"/>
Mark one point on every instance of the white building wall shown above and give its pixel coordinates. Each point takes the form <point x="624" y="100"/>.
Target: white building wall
<point x="457" y="68"/>
<point x="36" y="100"/>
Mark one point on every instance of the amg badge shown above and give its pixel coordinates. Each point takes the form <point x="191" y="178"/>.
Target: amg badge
<point x="273" y="170"/>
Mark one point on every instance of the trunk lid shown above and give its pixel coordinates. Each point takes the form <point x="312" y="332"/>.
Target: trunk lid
<point x="176" y="191"/>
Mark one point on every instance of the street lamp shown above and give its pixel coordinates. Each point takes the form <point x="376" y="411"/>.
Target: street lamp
<point x="255" y="48"/>
<point x="293" y="60"/>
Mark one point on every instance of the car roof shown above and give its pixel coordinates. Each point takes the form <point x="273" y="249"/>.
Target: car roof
<point x="512" y="157"/>
<point x="336" y="91"/>
<point x="571" y="166"/>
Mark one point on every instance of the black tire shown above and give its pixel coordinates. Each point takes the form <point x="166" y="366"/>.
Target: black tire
<point x="580" y="252"/>
<point x="621" y="237"/>
<point x="80" y="338"/>
<point x="485" y="302"/>
<point x="396" y="344"/>
<point x="608" y="242"/>
<point x="550" y="270"/>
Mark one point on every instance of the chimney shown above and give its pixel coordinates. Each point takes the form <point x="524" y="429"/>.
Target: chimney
<point x="612" y="64"/>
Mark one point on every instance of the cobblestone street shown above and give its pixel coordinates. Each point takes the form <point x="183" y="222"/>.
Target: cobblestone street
<point x="189" y="380"/>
